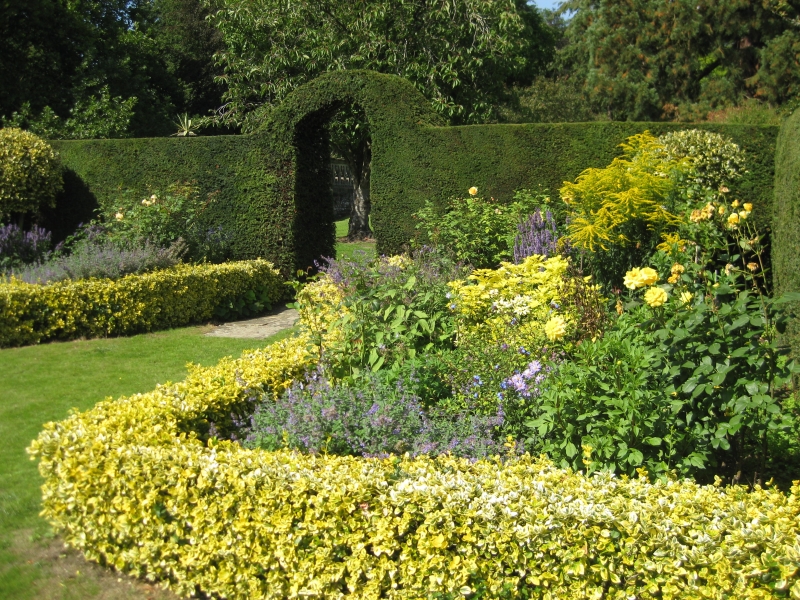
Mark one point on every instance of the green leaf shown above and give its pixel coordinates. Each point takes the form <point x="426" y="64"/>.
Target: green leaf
<point x="635" y="457"/>
<point x="717" y="378"/>
<point x="743" y="320"/>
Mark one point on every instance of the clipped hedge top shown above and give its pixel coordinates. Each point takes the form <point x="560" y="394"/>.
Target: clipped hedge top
<point x="130" y="484"/>
<point x="31" y="313"/>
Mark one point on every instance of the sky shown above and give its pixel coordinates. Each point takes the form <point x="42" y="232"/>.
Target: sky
<point x="547" y="3"/>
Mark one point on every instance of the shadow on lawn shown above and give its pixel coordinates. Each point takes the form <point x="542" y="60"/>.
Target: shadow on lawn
<point x="67" y="575"/>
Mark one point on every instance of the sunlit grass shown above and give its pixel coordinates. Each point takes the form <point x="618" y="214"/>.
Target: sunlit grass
<point x="43" y="383"/>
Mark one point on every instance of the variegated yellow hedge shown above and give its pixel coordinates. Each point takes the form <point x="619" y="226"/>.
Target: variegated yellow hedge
<point x="130" y="484"/>
<point x="96" y="307"/>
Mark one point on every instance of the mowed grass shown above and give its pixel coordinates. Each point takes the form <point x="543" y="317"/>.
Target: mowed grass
<point x="42" y="383"/>
<point x="350" y="249"/>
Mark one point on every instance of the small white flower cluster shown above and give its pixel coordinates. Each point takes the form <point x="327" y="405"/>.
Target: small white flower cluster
<point x="520" y="306"/>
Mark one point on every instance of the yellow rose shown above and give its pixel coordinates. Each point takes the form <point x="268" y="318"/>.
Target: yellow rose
<point x="743" y="214"/>
<point x="636" y="278"/>
<point x="752" y="266"/>
<point x="473" y="191"/>
<point x="677" y="269"/>
<point x="673" y="279"/>
<point x="655" y="297"/>
<point x="648" y="276"/>
<point x="119" y="216"/>
<point x="686" y="297"/>
<point x="733" y="219"/>
<point x="721" y="210"/>
<point x="555" y="328"/>
<point x="631" y="280"/>
<point x="735" y="203"/>
<point x="747" y="206"/>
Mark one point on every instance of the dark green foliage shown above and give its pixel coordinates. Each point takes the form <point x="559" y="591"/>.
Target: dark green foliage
<point x="499" y="159"/>
<point x="252" y="302"/>
<point x="270" y="184"/>
<point x="786" y="235"/>
<point x="239" y="171"/>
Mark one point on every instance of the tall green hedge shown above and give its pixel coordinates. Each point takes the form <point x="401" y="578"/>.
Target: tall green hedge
<point x="498" y="159"/>
<point x="786" y="229"/>
<point x="272" y="186"/>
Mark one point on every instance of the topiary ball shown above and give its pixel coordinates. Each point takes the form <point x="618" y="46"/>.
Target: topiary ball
<point x="30" y="172"/>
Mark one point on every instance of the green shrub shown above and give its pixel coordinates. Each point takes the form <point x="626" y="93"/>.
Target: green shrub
<point x="30" y="172"/>
<point x="786" y="233"/>
<point x="372" y="314"/>
<point x="715" y="160"/>
<point x="474" y="230"/>
<point x="165" y="216"/>
<point x="181" y="295"/>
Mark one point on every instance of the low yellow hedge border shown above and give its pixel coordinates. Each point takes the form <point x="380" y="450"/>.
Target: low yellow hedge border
<point x="135" y="303"/>
<point x="130" y="485"/>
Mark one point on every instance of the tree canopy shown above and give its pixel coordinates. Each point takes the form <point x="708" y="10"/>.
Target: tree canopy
<point x="662" y="59"/>
<point x="461" y="54"/>
<point x="105" y="68"/>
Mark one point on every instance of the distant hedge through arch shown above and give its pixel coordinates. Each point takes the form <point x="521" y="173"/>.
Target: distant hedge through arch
<point x="395" y="111"/>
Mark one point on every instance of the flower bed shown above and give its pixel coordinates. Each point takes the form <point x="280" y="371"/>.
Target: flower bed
<point x="336" y="489"/>
<point x="132" y="485"/>
<point x="172" y="297"/>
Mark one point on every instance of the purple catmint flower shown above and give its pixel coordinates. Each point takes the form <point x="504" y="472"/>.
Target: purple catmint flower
<point x="18" y="247"/>
<point x="536" y="235"/>
<point x="372" y="417"/>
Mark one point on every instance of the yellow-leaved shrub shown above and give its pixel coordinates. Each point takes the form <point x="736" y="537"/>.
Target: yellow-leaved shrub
<point x="512" y="303"/>
<point x="161" y="299"/>
<point x="130" y="484"/>
<point x="320" y="304"/>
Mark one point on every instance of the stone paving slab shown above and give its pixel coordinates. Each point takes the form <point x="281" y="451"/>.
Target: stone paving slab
<point x="276" y="320"/>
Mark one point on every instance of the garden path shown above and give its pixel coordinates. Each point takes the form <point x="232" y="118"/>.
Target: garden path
<point x="262" y="327"/>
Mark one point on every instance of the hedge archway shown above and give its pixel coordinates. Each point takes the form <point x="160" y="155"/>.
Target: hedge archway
<point x="395" y="111"/>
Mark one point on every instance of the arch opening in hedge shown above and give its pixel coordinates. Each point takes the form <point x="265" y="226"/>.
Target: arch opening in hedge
<point x="394" y="111"/>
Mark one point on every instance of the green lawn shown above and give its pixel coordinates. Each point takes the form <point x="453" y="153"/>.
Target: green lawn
<point x="42" y="383"/>
<point x="348" y="250"/>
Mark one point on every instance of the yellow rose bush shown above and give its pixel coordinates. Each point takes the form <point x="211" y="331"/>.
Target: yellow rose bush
<point x="172" y="297"/>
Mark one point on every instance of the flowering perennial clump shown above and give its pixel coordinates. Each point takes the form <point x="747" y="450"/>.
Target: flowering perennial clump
<point x="490" y="300"/>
